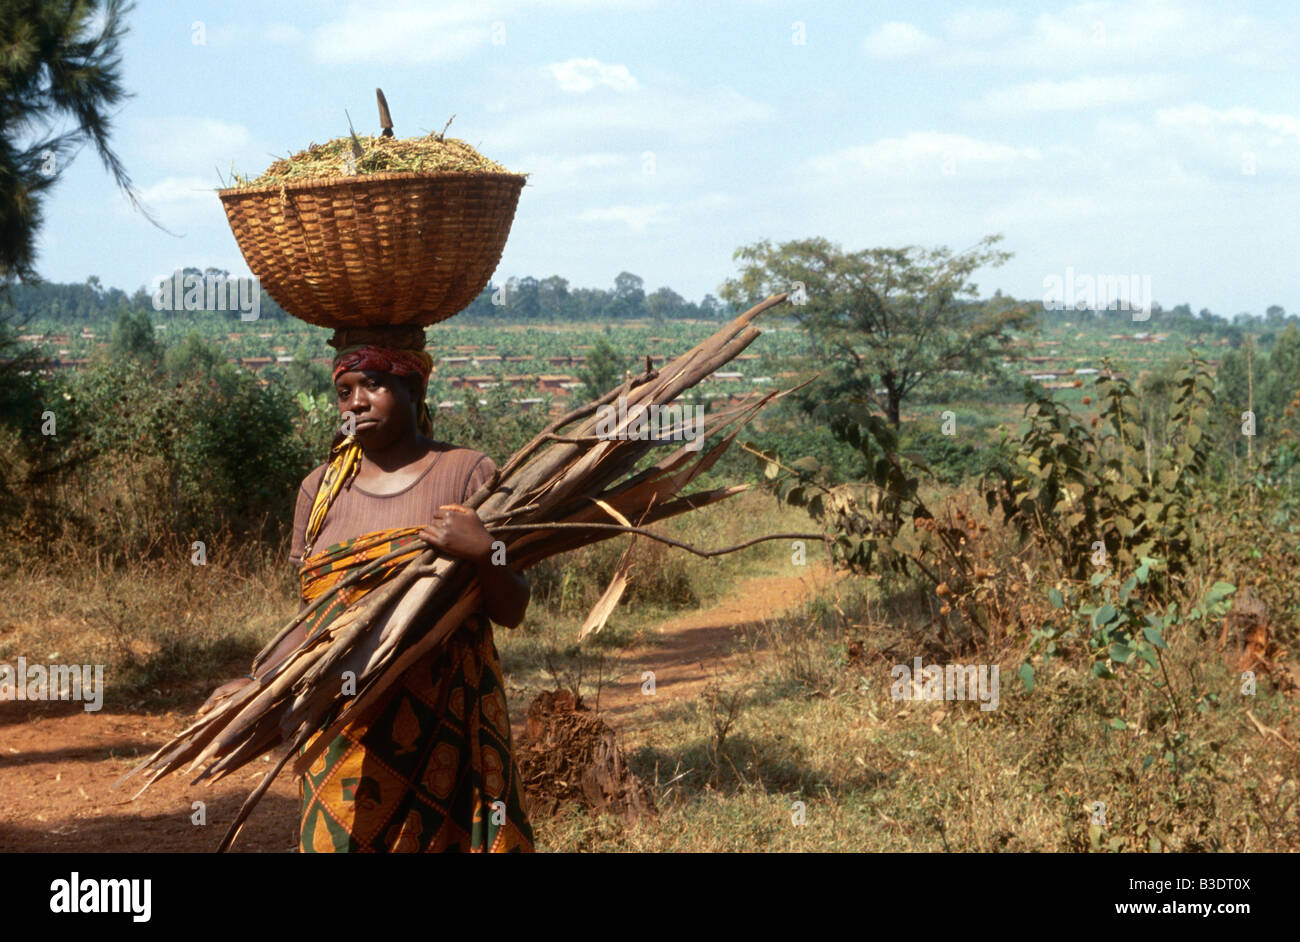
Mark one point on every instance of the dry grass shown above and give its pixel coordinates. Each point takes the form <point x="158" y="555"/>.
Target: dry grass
<point x="815" y="722"/>
<point x="378" y="155"/>
<point x="166" y="630"/>
<point x="664" y="582"/>
<point x="808" y="718"/>
<point x="879" y="774"/>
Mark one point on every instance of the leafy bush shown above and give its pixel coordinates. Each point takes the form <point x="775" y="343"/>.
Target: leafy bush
<point x="179" y="459"/>
<point x="951" y="460"/>
<point x="497" y="427"/>
<point x="1072" y="490"/>
<point x="570" y="584"/>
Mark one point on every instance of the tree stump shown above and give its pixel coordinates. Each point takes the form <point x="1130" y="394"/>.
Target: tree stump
<point x="1249" y="642"/>
<point x="568" y="754"/>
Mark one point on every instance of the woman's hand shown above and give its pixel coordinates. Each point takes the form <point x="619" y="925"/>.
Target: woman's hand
<point x="458" y="532"/>
<point x="227" y="689"/>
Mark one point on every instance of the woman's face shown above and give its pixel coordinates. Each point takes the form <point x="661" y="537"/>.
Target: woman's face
<point x="382" y="405"/>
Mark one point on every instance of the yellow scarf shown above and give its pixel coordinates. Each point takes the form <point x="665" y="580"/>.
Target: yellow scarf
<point x="345" y="461"/>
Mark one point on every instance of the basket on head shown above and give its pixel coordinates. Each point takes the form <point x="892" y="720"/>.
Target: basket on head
<point x="372" y="249"/>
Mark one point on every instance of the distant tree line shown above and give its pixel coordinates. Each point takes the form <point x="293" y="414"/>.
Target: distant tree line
<point x="1180" y="319"/>
<point x="549" y="299"/>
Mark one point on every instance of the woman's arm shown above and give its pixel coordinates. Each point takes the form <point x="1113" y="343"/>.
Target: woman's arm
<point x="287" y="644"/>
<point x="457" y="531"/>
<point x="282" y="650"/>
<point x="505" y="593"/>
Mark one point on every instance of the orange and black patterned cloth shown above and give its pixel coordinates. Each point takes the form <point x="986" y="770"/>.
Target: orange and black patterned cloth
<point x="434" y="769"/>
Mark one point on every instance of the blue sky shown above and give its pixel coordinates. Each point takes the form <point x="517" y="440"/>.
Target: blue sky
<point x="1153" y="138"/>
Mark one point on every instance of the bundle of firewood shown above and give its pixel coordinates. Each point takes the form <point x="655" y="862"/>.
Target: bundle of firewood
<point x="572" y="485"/>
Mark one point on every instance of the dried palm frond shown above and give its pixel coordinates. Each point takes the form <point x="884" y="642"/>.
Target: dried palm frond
<point x="570" y="486"/>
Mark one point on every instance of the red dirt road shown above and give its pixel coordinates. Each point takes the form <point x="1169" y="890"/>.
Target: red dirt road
<point x="58" y="762"/>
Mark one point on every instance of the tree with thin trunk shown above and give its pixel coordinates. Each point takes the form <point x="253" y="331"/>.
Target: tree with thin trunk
<point x="887" y="320"/>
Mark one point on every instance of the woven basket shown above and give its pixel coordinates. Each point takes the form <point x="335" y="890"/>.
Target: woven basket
<point x="367" y="250"/>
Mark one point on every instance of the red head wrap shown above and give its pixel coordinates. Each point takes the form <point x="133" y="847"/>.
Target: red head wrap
<point x="385" y="360"/>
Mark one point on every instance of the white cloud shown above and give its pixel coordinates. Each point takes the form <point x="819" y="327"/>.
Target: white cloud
<point x="1279" y="128"/>
<point x="1071" y="95"/>
<point x="281" y="33"/>
<point x="713" y="200"/>
<point x="416" y="31"/>
<point x="636" y="218"/>
<point x="924" y="153"/>
<point x="582" y="75"/>
<point x="1034" y="208"/>
<point x="231" y="34"/>
<point x="554" y="173"/>
<point x="179" y="203"/>
<point x="1082" y="35"/>
<point x="1194" y="146"/>
<point x="183" y="143"/>
<point x="980" y="25"/>
<point x="1241" y="140"/>
<point x="898" y="41"/>
<point x="173" y="191"/>
<point x="649" y="114"/>
<point x="405" y="31"/>
<point x="573" y="165"/>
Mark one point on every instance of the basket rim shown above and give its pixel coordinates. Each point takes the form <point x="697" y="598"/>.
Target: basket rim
<point x="362" y="179"/>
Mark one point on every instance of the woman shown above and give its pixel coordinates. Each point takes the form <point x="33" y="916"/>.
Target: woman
<point x="433" y="768"/>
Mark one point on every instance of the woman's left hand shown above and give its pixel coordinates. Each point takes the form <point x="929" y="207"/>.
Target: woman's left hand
<point x="457" y="531"/>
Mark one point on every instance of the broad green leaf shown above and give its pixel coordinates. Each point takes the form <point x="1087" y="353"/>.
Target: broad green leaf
<point x="1054" y="596"/>
<point x="1218" y="592"/>
<point x="1027" y="676"/>
<point x="1120" y="653"/>
<point x="1104" y="615"/>
<point x="1118" y="723"/>
<point x="1153" y="636"/>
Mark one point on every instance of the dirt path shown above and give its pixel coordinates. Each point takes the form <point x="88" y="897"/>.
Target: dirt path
<point x="58" y="762"/>
<point x="693" y="650"/>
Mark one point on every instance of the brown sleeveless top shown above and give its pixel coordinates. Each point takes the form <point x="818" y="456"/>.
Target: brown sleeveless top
<point x="455" y="474"/>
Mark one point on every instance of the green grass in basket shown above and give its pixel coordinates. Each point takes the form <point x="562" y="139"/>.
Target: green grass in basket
<point x="379" y="155"/>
